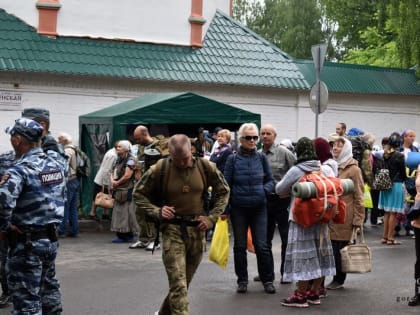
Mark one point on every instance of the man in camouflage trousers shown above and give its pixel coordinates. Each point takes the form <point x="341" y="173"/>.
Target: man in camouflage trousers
<point x="32" y="193"/>
<point x="179" y="207"/>
<point x="152" y="144"/>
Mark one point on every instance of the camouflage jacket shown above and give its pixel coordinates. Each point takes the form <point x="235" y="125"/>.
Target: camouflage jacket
<point x="6" y="161"/>
<point x="56" y="151"/>
<point x="32" y="191"/>
<point x="146" y="190"/>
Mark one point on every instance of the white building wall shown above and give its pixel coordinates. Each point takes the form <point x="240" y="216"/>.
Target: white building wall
<point x="287" y="110"/>
<point x="138" y="20"/>
<point x="65" y="107"/>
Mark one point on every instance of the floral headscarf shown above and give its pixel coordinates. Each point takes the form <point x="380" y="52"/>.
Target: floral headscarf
<point x="305" y="150"/>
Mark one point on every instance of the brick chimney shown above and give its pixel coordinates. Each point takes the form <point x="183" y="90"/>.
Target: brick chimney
<point x="48" y="12"/>
<point x="196" y="20"/>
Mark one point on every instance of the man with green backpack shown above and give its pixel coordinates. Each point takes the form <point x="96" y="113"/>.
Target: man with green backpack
<point x="174" y="198"/>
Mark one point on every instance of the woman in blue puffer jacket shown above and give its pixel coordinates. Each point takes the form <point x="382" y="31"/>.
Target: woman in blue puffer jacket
<point x="249" y="177"/>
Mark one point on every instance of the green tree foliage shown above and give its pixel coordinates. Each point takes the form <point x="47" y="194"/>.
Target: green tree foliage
<point x="352" y="17"/>
<point x="378" y="51"/>
<point x="404" y="23"/>
<point x="292" y="25"/>
<point x="246" y="11"/>
<point x="303" y="28"/>
<point x="383" y="33"/>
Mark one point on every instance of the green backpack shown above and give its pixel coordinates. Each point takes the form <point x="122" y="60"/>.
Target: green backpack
<point x="83" y="168"/>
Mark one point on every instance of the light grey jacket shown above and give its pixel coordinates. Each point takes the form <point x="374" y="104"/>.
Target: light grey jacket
<point x="284" y="187"/>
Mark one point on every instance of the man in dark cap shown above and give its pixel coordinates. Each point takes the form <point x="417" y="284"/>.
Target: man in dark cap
<point x="48" y="143"/>
<point x="32" y="194"/>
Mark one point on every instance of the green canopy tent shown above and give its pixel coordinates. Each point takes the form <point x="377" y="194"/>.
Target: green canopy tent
<point x="162" y="113"/>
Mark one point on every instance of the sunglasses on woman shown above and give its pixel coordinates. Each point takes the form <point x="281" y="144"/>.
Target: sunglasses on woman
<point x="249" y="138"/>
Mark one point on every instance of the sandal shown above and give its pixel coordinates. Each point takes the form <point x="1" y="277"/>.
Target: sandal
<point x="384" y="240"/>
<point x="393" y="242"/>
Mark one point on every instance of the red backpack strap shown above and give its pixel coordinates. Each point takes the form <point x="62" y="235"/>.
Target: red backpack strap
<point x="321" y="179"/>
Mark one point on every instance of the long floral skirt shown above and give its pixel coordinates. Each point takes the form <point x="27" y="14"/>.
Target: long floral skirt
<point x="309" y="253"/>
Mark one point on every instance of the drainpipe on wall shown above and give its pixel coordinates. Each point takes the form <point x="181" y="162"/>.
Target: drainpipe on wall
<point x="196" y="20"/>
<point x="48" y="12"/>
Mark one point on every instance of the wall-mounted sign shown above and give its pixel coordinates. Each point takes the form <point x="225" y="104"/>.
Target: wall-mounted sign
<point x="10" y="100"/>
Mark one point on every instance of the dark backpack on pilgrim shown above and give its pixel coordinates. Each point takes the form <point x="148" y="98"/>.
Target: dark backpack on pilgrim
<point x="361" y="152"/>
<point x="82" y="163"/>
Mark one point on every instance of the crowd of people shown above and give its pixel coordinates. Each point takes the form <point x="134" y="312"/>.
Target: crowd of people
<point x="169" y="193"/>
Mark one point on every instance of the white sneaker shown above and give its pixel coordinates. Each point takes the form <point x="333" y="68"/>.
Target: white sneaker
<point x="150" y="246"/>
<point x="139" y="244"/>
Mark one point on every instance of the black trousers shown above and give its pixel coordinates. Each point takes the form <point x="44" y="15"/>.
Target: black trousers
<point x="417" y="264"/>
<point x="374" y="213"/>
<point x="4" y="247"/>
<point x="340" y="276"/>
<point x="277" y="214"/>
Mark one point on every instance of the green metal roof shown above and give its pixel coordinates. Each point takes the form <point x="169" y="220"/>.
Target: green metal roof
<point x="231" y="54"/>
<point x="350" y="78"/>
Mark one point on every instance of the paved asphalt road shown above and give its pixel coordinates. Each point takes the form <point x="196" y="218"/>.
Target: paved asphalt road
<point x="101" y="278"/>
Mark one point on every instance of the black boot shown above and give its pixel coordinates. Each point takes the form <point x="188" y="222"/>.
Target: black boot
<point x="415" y="300"/>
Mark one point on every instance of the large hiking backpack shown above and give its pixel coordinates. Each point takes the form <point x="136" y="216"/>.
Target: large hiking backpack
<point x="359" y="145"/>
<point x="83" y="168"/>
<point x="318" y="199"/>
<point x="361" y="152"/>
<point x="155" y="151"/>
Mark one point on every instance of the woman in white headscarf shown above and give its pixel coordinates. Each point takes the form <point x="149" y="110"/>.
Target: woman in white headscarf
<point x="124" y="221"/>
<point x="355" y="209"/>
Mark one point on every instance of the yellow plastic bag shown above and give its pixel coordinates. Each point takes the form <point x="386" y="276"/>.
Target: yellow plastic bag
<point x="368" y="198"/>
<point x="219" y="247"/>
